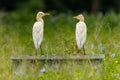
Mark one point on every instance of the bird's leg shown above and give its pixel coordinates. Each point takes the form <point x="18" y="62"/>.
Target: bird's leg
<point x="76" y="46"/>
<point x="34" y="59"/>
<point x="84" y="49"/>
<point x="36" y="52"/>
<point x="78" y="51"/>
<point x="41" y="49"/>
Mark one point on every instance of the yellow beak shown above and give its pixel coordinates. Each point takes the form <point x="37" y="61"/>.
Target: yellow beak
<point x="75" y="17"/>
<point x="46" y="14"/>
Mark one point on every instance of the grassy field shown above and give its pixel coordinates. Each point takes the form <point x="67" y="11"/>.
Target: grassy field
<point x="103" y="36"/>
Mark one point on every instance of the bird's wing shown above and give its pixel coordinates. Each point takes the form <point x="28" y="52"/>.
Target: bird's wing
<point x="80" y="34"/>
<point x="37" y="27"/>
<point x="37" y="33"/>
<point x="81" y="27"/>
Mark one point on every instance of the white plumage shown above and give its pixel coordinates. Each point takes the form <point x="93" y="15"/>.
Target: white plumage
<point x="38" y="33"/>
<point x="81" y="31"/>
<point x="38" y="29"/>
<point x="80" y="34"/>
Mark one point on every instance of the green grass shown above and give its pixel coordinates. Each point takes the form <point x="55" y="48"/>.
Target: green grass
<point x="59" y="37"/>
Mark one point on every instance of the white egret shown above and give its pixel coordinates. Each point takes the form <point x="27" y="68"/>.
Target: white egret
<point x="38" y="29"/>
<point x="81" y="32"/>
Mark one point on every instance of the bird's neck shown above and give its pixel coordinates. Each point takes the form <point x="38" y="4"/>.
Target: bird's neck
<point x="81" y="21"/>
<point x="41" y="20"/>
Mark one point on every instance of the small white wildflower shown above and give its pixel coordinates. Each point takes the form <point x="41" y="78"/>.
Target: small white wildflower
<point x="42" y="70"/>
<point x="113" y="55"/>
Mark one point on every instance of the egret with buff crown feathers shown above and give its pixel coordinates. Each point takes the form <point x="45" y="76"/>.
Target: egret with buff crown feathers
<point x="38" y="29"/>
<point x="81" y="32"/>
